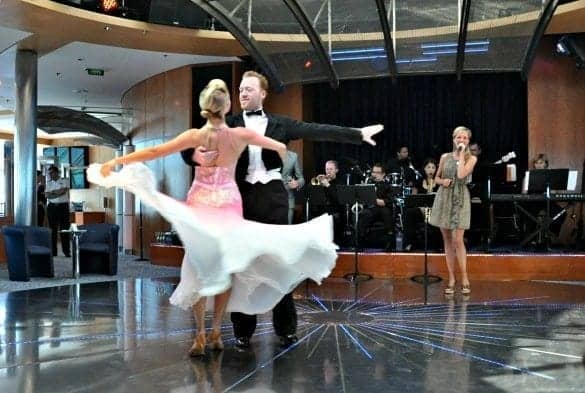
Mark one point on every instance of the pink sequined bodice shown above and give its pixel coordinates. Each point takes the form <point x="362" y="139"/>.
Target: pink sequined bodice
<point x="215" y="187"/>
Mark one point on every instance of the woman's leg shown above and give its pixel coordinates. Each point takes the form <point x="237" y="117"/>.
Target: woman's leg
<point x="449" y="254"/>
<point x="220" y="303"/>
<point x="461" y="253"/>
<point x="198" y="347"/>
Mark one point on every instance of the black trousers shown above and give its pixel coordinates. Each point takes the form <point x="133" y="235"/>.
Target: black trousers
<point x="58" y="216"/>
<point x="374" y="213"/>
<point x="267" y="203"/>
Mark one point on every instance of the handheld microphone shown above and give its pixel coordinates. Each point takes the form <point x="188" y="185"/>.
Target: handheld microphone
<point x="460" y="147"/>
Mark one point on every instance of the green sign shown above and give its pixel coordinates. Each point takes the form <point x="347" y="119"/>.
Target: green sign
<point x="95" y="71"/>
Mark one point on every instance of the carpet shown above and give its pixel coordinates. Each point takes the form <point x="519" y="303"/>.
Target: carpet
<point x="128" y="268"/>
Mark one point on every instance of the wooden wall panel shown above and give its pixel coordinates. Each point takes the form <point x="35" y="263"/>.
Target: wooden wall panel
<point x="556" y="102"/>
<point x="160" y="108"/>
<point x="556" y="115"/>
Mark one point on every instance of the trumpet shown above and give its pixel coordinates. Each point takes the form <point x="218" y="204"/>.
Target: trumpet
<point x="320" y="180"/>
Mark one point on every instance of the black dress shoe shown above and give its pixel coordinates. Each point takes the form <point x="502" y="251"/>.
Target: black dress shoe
<point x="243" y="342"/>
<point x="288" y="340"/>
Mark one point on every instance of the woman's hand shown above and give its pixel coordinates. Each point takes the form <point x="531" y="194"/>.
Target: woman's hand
<point x="106" y="168"/>
<point x="282" y="152"/>
<point x="447" y="183"/>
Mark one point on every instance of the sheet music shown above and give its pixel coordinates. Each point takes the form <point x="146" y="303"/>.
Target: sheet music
<point x="572" y="180"/>
<point x="525" y="182"/>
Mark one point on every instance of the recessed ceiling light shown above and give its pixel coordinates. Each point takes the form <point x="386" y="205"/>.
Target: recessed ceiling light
<point x="107" y="28"/>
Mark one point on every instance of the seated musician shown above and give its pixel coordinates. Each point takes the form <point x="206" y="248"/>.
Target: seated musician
<point x="383" y="208"/>
<point x="402" y="165"/>
<point x="414" y="216"/>
<point x="539" y="209"/>
<point x="329" y="182"/>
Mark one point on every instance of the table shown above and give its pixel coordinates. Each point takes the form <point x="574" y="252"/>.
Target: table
<point x="75" y="234"/>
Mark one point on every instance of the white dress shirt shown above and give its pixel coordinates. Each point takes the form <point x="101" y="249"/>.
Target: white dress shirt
<point x="256" y="170"/>
<point x="53" y="185"/>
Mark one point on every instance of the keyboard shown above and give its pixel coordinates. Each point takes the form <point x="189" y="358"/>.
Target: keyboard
<point x="555" y="197"/>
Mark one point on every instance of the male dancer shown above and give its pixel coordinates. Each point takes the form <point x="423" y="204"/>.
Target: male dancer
<point x="264" y="197"/>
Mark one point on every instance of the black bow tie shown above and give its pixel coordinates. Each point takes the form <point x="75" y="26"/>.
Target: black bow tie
<point x="254" y="113"/>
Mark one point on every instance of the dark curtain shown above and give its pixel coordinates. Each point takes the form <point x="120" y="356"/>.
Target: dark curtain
<point x="421" y="113"/>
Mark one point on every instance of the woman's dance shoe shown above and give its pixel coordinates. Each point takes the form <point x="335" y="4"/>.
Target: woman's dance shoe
<point x="466" y="289"/>
<point x="198" y="348"/>
<point x="450" y="290"/>
<point x="215" y="342"/>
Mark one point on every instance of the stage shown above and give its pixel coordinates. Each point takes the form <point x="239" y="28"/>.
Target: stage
<point x="373" y="336"/>
<point x="480" y="266"/>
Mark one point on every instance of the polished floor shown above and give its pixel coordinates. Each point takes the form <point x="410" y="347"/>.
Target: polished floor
<point x="373" y="336"/>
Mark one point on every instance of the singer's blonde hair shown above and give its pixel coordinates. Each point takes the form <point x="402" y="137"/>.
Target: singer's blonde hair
<point x="213" y="100"/>
<point x="457" y="131"/>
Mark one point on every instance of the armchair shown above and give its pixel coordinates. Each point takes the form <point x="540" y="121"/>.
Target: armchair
<point x="29" y="252"/>
<point x="98" y="249"/>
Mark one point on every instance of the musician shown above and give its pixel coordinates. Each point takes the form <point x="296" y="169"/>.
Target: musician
<point x="382" y="210"/>
<point x="414" y="216"/>
<point x="403" y="164"/>
<point x="539" y="209"/>
<point x="329" y="182"/>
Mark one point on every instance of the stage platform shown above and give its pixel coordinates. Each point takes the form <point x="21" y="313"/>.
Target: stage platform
<point x="480" y="266"/>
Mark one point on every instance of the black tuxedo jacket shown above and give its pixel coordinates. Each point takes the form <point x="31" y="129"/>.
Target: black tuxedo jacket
<point x="285" y="129"/>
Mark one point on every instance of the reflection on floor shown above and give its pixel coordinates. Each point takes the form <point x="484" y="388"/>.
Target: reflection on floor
<point x="376" y="336"/>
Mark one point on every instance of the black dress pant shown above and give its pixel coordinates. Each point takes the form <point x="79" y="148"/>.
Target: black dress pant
<point x="267" y="203"/>
<point x="58" y="216"/>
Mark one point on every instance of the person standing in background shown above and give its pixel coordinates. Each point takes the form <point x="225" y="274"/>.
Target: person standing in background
<point x="57" y="192"/>
<point x="41" y="199"/>
<point x="292" y="176"/>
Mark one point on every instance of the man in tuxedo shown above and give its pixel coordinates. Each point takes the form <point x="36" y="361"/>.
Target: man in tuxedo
<point x="259" y="178"/>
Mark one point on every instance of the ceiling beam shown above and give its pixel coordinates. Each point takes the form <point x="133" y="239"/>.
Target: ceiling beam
<point x="545" y="16"/>
<point x="301" y="15"/>
<point x="388" y="42"/>
<point x="462" y="39"/>
<point x="219" y="12"/>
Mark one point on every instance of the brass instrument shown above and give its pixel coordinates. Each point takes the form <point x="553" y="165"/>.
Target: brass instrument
<point x="319" y="179"/>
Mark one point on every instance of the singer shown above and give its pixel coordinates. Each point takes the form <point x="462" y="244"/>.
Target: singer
<point x="452" y="206"/>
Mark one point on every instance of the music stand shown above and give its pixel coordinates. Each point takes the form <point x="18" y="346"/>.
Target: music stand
<point x="355" y="195"/>
<point x="315" y="197"/>
<point x="543" y="181"/>
<point x="423" y="200"/>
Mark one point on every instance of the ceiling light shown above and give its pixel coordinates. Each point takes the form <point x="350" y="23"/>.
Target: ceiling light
<point x="107" y="28"/>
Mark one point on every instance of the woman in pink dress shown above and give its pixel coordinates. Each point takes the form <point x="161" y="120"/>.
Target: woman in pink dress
<point x="241" y="263"/>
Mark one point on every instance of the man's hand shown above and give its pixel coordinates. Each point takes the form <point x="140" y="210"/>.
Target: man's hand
<point x="380" y="202"/>
<point x="204" y="157"/>
<point x="369" y="131"/>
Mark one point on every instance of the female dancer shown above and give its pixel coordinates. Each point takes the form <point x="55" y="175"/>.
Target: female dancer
<point x="223" y="251"/>
<point x="451" y="210"/>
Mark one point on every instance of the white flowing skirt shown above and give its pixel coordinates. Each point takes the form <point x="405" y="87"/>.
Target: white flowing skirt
<point x="259" y="262"/>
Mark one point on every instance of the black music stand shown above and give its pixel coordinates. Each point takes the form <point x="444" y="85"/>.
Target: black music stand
<point x="423" y="200"/>
<point x="543" y="181"/>
<point x="355" y="195"/>
<point x="315" y="197"/>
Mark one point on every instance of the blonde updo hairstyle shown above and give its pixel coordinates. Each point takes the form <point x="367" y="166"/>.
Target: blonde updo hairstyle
<point x="466" y="152"/>
<point x="214" y="99"/>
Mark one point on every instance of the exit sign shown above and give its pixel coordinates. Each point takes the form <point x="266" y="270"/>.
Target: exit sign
<point x="95" y="71"/>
